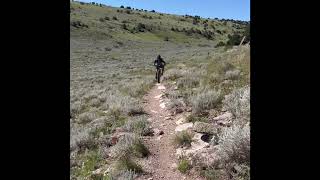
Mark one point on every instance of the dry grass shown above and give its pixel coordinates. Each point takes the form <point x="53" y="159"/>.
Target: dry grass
<point x="183" y="138"/>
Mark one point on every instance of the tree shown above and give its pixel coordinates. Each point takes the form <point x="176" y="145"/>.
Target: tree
<point x="121" y="6"/>
<point x="234" y="39"/>
<point x="128" y="7"/>
<point x="247" y="33"/>
<point x="124" y="26"/>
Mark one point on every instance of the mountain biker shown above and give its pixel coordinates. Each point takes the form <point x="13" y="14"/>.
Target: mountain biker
<point x="159" y="63"/>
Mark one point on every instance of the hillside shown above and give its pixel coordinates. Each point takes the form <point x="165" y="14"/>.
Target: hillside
<point x="137" y="25"/>
<point x="114" y="127"/>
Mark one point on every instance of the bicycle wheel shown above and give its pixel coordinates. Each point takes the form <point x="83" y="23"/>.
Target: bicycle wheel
<point x="158" y="75"/>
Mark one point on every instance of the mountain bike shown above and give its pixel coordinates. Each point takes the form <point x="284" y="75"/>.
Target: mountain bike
<point x="159" y="73"/>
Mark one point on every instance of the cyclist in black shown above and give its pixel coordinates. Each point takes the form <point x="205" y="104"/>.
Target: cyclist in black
<point x="159" y="63"/>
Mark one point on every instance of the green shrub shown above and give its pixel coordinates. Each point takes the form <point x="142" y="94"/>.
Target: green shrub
<point x="220" y="44"/>
<point x="184" y="166"/>
<point x="127" y="164"/>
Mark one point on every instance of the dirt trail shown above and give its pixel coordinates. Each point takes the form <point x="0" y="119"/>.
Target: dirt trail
<point x="161" y="164"/>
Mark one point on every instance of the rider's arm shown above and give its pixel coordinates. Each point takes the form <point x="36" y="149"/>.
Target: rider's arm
<point x="164" y="62"/>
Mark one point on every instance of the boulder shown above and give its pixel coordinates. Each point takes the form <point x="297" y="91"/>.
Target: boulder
<point x="183" y="127"/>
<point x="224" y="119"/>
<point x="202" y="127"/>
<point x="196" y="145"/>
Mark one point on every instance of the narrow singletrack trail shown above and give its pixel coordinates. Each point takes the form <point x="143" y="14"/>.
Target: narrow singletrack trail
<point x="161" y="163"/>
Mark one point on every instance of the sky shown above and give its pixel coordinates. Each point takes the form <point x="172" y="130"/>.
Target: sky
<point x="227" y="9"/>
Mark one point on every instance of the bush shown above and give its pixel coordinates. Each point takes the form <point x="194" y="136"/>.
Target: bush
<point x="101" y="19"/>
<point x="234" y="144"/>
<point x="128" y="11"/>
<point x="124" y="26"/>
<point x="184" y="166"/>
<point x="205" y="101"/>
<point x="87" y="117"/>
<point x="232" y="74"/>
<point x="220" y="44"/>
<point x="78" y="24"/>
<point x="153" y="11"/>
<point x="203" y="127"/>
<point x="129" y="144"/>
<point x="188" y="81"/>
<point x="141" y="27"/>
<point x="126" y="164"/>
<point x="238" y="103"/>
<point x="138" y="125"/>
<point x="183" y="138"/>
<point x="234" y="39"/>
<point x="128" y="7"/>
<point x="106" y="18"/>
<point x="126" y="175"/>
<point x="212" y="174"/>
<point x="87" y="143"/>
<point x="114" y="18"/>
<point x="166" y="38"/>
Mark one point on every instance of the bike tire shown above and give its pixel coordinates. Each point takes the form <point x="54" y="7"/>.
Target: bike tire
<point x="158" y="75"/>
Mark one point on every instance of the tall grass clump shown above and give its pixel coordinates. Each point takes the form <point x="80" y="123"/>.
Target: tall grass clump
<point x="238" y="103"/>
<point x="205" y="100"/>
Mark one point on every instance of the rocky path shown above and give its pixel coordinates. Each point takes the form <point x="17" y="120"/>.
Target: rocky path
<point x="161" y="164"/>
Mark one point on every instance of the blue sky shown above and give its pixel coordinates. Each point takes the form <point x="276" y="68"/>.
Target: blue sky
<point x="227" y="9"/>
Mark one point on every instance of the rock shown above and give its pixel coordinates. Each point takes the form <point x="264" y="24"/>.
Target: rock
<point x="158" y="97"/>
<point x="179" y="110"/>
<point x="224" y="117"/>
<point x="158" y="132"/>
<point x="150" y="179"/>
<point x="154" y="111"/>
<point x="161" y="87"/>
<point x="175" y="88"/>
<point x="167" y="118"/>
<point x="98" y="171"/>
<point x="115" y="137"/>
<point x="206" y="157"/>
<point x="183" y="127"/>
<point x="202" y="127"/>
<point x="181" y="120"/>
<point x="196" y="145"/>
<point x="188" y="109"/>
<point x="162" y="105"/>
<point x="174" y="166"/>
